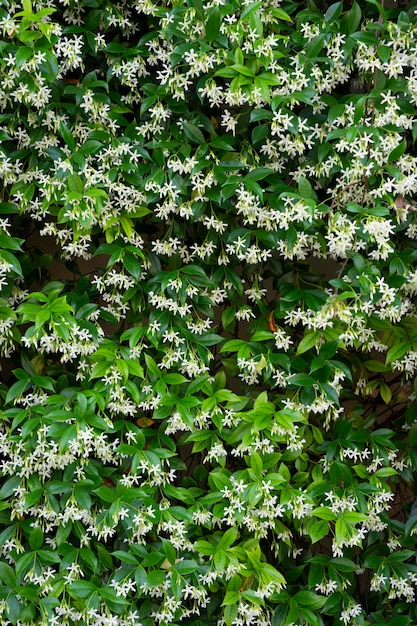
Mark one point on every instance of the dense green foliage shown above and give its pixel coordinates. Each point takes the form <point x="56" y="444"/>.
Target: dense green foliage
<point x="208" y="325"/>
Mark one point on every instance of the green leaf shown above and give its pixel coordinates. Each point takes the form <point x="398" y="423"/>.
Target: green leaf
<point x="259" y="133"/>
<point x="253" y="186"/>
<point x="385" y="391"/>
<point x="112" y="597"/>
<point x="7" y="575"/>
<point x="367" y="38"/>
<point x="210" y="339"/>
<point x="12" y="260"/>
<point x="252" y="596"/>
<point x="204" y="547"/>
<point x="233" y="278"/>
<point x="231" y="597"/>
<point x="256" y="464"/>
<point x="384" y="53"/>
<point x="333" y="12"/>
<point x="269" y="573"/>
<point x="398" y="151"/>
<point x="14" y="608"/>
<point x="125" y="557"/>
<point x="223" y="143"/>
<point x="352" y="19"/>
<point x="90" y="147"/>
<point x="280" y="14"/>
<point x="22" y="55"/>
<point x="36" y="538"/>
<point x="170" y="551"/>
<point x="228" y="316"/>
<point x="397" y="352"/>
<point x="310" y="599"/>
<point x="67" y="136"/>
<point x="305" y="189"/>
<point x="11" y="243"/>
<point x="9" y="487"/>
<point x="376" y="366"/>
<point x="233" y="345"/>
<point x="132" y="264"/>
<point x="324" y="512"/>
<point x="318" y="530"/>
<point x="230" y="614"/>
<point x="353" y="517"/>
<point x="213" y="23"/>
<point x="343" y="565"/>
<point x="249" y="9"/>
<point x="330" y="392"/>
<point x="262" y="335"/>
<point x="308" y="341"/>
<point x="220" y="560"/>
<point x="341" y="531"/>
<point x="186" y="566"/>
<point x="379" y="6"/>
<point x="399" y="620"/>
<point x="127" y="225"/>
<point x="226" y="72"/>
<point x="82" y="496"/>
<point x="193" y="133"/>
<point x="258" y="173"/>
<point x="174" y="379"/>
<point x="243" y="69"/>
<point x="107" y="494"/>
<point x="139" y="212"/>
<point x="301" y="380"/>
<point x="384" y="472"/>
<point x="75" y="183"/>
<point x="17" y="390"/>
<point x="81" y="589"/>
<point x="229" y="537"/>
<point x="329" y="349"/>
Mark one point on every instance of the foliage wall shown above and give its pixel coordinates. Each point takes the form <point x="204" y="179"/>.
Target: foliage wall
<point x="208" y="276"/>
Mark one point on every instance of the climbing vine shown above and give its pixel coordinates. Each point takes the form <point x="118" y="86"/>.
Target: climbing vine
<point x="208" y="323"/>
